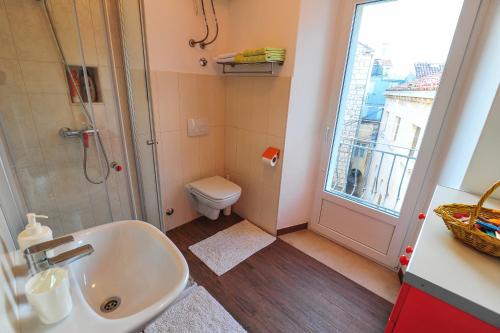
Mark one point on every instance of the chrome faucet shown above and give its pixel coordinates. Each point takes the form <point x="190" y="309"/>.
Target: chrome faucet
<point x="37" y="259"/>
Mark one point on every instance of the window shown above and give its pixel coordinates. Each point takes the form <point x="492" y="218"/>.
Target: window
<point x="397" y="53"/>
<point x="416" y="136"/>
<point x="397" y="123"/>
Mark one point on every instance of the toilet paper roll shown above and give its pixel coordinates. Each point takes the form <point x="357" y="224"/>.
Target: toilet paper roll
<point x="271" y="161"/>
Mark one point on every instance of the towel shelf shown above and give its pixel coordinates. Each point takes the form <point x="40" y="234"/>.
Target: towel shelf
<point x="268" y="67"/>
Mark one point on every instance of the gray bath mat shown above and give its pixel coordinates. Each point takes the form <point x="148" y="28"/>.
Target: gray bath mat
<point x="229" y="247"/>
<point x="198" y="312"/>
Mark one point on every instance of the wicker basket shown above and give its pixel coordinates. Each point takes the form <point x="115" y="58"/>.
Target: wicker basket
<point x="466" y="232"/>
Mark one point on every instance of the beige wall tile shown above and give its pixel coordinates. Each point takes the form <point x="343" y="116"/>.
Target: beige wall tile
<point x="256" y="114"/>
<point x="7" y="50"/>
<point x="211" y="92"/>
<point x="269" y="200"/>
<point x="190" y="158"/>
<point x="68" y="185"/>
<point x="219" y="138"/>
<point x="207" y="158"/>
<point x="256" y="105"/>
<point x="37" y="189"/>
<point x="73" y="221"/>
<point x="43" y="77"/>
<point x="170" y="151"/>
<point x="51" y="112"/>
<point x="56" y="154"/>
<point x="17" y="122"/>
<point x="177" y="98"/>
<point x="278" y="106"/>
<point x="66" y="28"/>
<point x="189" y="98"/>
<point x="26" y="156"/>
<point x="96" y="12"/>
<point x="167" y="96"/>
<point x="234" y="88"/>
<point x="11" y="79"/>
<point x="32" y="37"/>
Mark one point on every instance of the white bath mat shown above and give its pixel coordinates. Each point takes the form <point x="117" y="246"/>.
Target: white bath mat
<point x="198" y="312"/>
<point x="229" y="247"/>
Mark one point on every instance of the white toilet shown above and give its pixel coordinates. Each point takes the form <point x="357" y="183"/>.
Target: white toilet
<point x="213" y="194"/>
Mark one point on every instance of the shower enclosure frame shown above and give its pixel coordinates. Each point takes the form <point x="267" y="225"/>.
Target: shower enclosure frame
<point x="11" y="197"/>
<point x="152" y="141"/>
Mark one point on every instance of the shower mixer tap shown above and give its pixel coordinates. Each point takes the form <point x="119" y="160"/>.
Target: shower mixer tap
<point x="66" y="132"/>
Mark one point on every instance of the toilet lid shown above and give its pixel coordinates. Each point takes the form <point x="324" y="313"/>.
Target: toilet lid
<point x="216" y="187"/>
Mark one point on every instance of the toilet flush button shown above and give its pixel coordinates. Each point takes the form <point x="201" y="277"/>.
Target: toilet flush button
<point x="197" y="126"/>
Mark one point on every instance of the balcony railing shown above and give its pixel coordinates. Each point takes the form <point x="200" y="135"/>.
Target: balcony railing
<point x="372" y="173"/>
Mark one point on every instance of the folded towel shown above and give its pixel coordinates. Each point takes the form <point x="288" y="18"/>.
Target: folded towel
<point x="226" y="55"/>
<point x="224" y="60"/>
<point x="264" y="50"/>
<point x="241" y="59"/>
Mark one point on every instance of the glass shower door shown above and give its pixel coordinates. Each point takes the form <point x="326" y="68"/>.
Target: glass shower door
<point x="140" y="108"/>
<point x="59" y="148"/>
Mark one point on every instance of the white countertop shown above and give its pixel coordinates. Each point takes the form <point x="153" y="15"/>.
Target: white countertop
<point x="452" y="271"/>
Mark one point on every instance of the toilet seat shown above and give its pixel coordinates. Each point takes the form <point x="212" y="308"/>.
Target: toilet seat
<point x="215" y="188"/>
<point x="214" y="194"/>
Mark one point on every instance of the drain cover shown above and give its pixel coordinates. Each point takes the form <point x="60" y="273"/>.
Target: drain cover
<point x="111" y="304"/>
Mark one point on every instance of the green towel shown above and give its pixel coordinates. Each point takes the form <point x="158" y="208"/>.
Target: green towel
<point x="264" y="50"/>
<point x="241" y="59"/>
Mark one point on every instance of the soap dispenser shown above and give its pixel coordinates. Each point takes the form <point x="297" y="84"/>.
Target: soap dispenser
<point x="34" y="232"/>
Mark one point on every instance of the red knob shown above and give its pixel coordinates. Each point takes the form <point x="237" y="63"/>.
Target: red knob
<point x="409" y="249"/>
<point x="117" y="167"/>
<point x="403" y="260"/>
<point x="421" y="216"/>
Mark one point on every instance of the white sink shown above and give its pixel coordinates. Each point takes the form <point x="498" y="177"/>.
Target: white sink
<point x="133" y="261"/>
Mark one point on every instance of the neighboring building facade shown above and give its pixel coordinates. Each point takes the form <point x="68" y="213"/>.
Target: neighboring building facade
<point x="383" y="120"/>
<point x="361" y="70"/>
<point x="406" y="112"/>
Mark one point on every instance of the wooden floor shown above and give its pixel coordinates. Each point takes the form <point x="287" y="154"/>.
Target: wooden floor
<point x="280" y="289"/>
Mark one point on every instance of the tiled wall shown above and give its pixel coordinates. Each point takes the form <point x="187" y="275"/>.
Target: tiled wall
<point x="9" y="314"/>
<point x="178" y="97"/>
<point x="35" y="104"/>
<point x="256" y="114"/>
<point x="246" y="115"/>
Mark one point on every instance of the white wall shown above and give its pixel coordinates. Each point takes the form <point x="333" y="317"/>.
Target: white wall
<point x="477" y="89"/>
<point x="468" y="111"/>
<point x="484" y="169"/>
<point x="261" y="23"/>
<point x="309" y="102"/>
<point x="170" y="24"/>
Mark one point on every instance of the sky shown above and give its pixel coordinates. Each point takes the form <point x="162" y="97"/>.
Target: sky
<point x="409" y="31"/>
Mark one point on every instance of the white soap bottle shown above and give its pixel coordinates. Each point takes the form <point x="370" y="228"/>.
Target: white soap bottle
<point x="34" y="232"/>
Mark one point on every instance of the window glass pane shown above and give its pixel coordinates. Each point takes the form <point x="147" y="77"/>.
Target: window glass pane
<point x="397" y="54"/>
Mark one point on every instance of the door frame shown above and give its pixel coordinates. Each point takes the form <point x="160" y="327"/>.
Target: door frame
<point x="458" y="48"/>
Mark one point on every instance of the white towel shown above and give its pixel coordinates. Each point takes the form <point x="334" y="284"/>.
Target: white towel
<point x="226" y="55"/>
<point x="224" y="60"/>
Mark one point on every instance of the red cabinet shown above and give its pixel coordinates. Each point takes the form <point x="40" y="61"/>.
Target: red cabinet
<point x="416" y="311"/>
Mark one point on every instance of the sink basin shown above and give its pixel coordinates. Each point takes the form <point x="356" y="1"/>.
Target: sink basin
<point x="134" y="273"/>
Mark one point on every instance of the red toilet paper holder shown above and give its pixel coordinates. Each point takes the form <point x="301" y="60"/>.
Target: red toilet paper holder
<point x="270" y="152"/>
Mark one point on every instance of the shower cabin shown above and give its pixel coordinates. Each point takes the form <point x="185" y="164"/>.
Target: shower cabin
<point x="77" y="139"/>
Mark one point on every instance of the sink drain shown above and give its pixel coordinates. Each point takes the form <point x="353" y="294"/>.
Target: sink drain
<point x="111" y="304"/>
